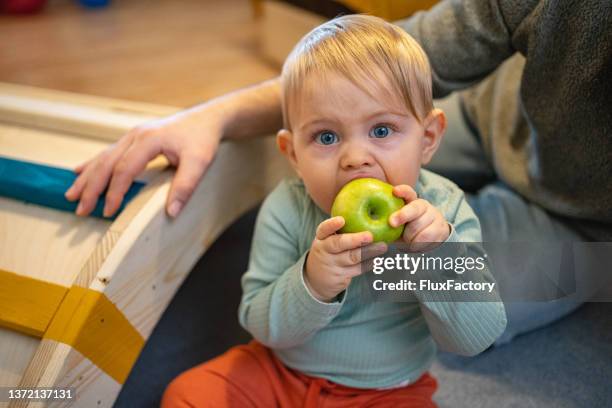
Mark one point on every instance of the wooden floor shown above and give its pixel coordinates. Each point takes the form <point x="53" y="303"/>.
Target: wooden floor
<point x="171" y="52"/>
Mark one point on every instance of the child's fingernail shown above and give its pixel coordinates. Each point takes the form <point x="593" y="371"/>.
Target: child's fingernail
<point x="79" y="209"/>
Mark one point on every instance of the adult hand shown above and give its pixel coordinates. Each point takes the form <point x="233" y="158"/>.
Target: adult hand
<point x="335" y="259"/>
<point x="188" y="139"/>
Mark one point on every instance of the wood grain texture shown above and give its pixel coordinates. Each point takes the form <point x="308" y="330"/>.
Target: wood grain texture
<point x="27" y="305"/>
<point x="146" y="53"/>
<point x="90" y="323"/>
<point x="139" y="260"/>
<point x="170" y="52"/>
<point x="16" y="353"/>
<point x="43" y="243"/>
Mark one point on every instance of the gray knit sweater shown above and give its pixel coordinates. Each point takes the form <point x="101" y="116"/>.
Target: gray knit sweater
<point x="545" y="116"/>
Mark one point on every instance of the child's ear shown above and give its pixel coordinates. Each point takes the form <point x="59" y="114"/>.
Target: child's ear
<point x="434" y="128"/>
<point x="284" y="142"/>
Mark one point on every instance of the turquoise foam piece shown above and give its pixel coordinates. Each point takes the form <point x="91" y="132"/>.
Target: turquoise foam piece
<point x="45" y="185"/>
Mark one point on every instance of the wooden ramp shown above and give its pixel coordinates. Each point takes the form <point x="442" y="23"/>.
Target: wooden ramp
<point x="80" y="296"/>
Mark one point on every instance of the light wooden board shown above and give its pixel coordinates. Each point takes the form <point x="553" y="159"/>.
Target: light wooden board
<point x="17" y="351"/>
<point x="43" y="243"/>
<point x="40" y="242"/>
<point x="138" y="261"/>
<point x="163" y="255"/>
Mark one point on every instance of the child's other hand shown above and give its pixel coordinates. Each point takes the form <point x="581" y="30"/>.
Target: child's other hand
<point x="334" y="259"/>
<point x="425" y="227"/>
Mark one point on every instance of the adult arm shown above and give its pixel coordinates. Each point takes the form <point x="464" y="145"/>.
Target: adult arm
<point x="188" y="139"/>
<point x="466" y="40"/>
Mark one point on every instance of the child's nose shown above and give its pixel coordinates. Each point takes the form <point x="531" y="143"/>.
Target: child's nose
<point x="355" y="156"/>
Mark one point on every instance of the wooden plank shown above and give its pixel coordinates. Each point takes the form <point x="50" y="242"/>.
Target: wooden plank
<point x="83" y="100"/>
<point x="42" y="243"/>
<point x="29" y="107"/>
<point x="154" y="254"/>
<point x="92" y="386"/>
<point x="28" y="305"/>
<point x="46" y="244"/>
<point x="16" y="352"/>
<point x="90" y="323"/>
<point x="139" y="261"/>
<point x="81" y="120"/>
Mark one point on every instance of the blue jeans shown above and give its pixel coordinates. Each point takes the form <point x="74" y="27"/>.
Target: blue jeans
<point x="504" y="216"/>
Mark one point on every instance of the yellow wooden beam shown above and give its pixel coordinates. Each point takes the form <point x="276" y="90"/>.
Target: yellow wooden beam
<point x="27" y="305"/>
<point x="82" y="318"/>
<point x="94" y="326"/>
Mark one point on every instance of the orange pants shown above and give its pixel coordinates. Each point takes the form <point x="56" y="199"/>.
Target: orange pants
<point x="251" y="376"/>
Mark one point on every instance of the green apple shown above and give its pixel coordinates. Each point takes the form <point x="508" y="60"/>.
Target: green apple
<point x="366" y="204"/>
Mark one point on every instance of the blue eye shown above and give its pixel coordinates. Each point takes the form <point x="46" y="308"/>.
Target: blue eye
<point x="326" y="138"/>
<point x="380" y="131"/>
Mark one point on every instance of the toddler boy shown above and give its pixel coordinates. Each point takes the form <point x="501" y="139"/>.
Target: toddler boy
<point x="357" y="102"/>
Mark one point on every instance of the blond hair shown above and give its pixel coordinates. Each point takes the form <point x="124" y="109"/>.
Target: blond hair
<point x="361" y="48"/>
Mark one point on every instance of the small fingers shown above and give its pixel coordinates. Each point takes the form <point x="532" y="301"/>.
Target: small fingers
<point x="417" y="225"/>
<point x="335" y="244"/>
<point x="406" y="192"/>
<point x="422" y="246"/>
<point x="408" y="213"/>
<point x="329" y="227"/>
<point x="351" y="272"/>
<point x="431" y="236"/>
<point x="358" y="255"/>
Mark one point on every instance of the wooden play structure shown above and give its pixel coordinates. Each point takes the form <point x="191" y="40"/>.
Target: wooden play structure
<point x="80" y="296"/>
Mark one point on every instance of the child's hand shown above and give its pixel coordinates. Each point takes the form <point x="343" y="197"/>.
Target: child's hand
<point x="425" y="227"/>
<point x="334" y="259"/>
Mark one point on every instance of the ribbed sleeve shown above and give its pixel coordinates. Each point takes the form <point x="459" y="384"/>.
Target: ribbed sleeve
<point x="356" y="341"/>
<point x="465" y="323"/>
<point x="276" y="307"/>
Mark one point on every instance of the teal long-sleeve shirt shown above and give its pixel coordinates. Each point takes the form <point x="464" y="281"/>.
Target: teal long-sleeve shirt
<point x="352" y="341"/>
